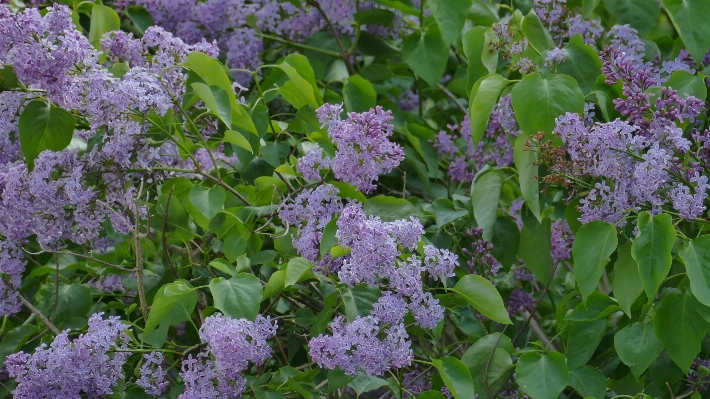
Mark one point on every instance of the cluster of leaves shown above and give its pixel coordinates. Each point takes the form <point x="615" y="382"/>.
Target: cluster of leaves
<point x="541" y="304"/>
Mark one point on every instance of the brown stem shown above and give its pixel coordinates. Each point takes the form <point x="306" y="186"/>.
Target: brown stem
<point x="343" y="53"/>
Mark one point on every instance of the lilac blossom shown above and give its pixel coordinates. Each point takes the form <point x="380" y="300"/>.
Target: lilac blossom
<point x="363" y="149"/>
<point x="481" y="260"/>
<point x="44" y="374"/>
<point x="561" y="240"/>
<point x="556" y="56"/>
<point x="519" y="302"/>
<point x="152" y="376"/>
<point x="231" y="345"/>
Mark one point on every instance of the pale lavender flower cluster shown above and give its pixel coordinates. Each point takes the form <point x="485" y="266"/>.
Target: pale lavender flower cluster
<point x="231" y="344"/>
<point x="634" y="169"/>
<point x="378" y="342"/>
<point x="153" y="377"/>
<point x="310" y="212"/>
<point x="556" y="56"/>
<point x="562" y="24"/>
<point x="512" y="49"/>
<point x="363" y="148"/>
<point x="495" y="148"/>
<point x="68" y="368"/>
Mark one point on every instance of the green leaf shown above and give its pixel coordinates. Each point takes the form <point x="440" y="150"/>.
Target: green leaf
<point x="542" y="376"/>
<point x="276" y="284"/>
<point x="426" y="54"/>
<point x="141" y="18"/>
<point x="173" y="304"/>
<point x="640" y="14"/>
<point x="238" y="139"/>
<point x="366" y="383"/>
<point x="216" y="100"/>
<point x="652" y="249"/>
<point x="484" y="199"/>
<point x="297" y="90"/>
<point x="445" y="213"/>
<point x="209" y="70"/>
<point x="43" y="127"/>
<point x="582" y="341"/>
<point x="627" y="280"/>
<point x="237" y="297"/>
<point x="13" y="340"/>
<point x="375" y="16"/>
<point x="526" y="163"/>
<point x="208" y="202"/>
<point x="450" y="17"/>
<point x="536" y="33"/>
<point x="358" y="94"/>
<point x="506" y="240"/>
<point x="296" y="270"/>
<point x="690" y="19"/>
<point x="582" y="63"/>
<point x="537" y="101"/>
<point x="497" y="373"/>
<point x="535" y="248"/>
<point x="456" y="376"/>
<point x="484" y="96"/>
<point x="687" y="83"/>
<point x="637" y="346"/>
<point x="474" y="45"/>
<point x="696" y="257"/>
<point x="483" y="296"/>
<point x="236" y="244"/>
<point x="588" y="381"/>
<point x="103" y="19"/>
<point x="593" y="244"/>
<point x="74" y="300"/>
<point x="389" y="208"/>
<point x="680" y="327"/>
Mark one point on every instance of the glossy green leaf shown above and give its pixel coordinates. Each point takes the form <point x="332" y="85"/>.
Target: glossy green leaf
<point x="474" y="45"/>
<point x="696" y="257"/>
<point x="593" y="244"/>
<point x="582" y="341"/>
<point x="680" y="327"/>
<point x="103" y="19"/>
<point x="506" y="240"/>
<point x="456" y="377"/>
<point x="208" y="202"/>
<point x="484" y="96"/>
<point x="13" y="340"/>
<point x="236" y="138"/>
<point x="538" y="101"/>
<point x="536" y="33"/>
<point x="141" y="18"/>
<point x="535" y="247"/>
<point x="216" y="100"/>
<point x="296" y="270"/>
<point x="588" y="381"/>
<point x="582" y="63"/>
<point x="450" y="16"/>
<point x="426" y="54"/>
<point x="640" y="14"/>
<point x="389" y="208"/>
<point x="42" y="127"/>
<point x="688" y="83"/>
<point x="690" y="19"/>
<point x="237" y="297"/>
<point x="627" y="280"/>
<point x="72" y="300"/>
<point x="484" y="199"/>
<point x="637" y="346"/>
<point x="276" y="284"/>
<point x="483" y="297"/>
<point x="445" y="212"/>
<point x="173" y="304"/>
<point x="358" y="94"/>
<point x="496" y="372"/>
<point x="526" y="163"/>
<point x="542" y="376"/>
<point x="366" y="383"/>
<point x="652" y="249"/>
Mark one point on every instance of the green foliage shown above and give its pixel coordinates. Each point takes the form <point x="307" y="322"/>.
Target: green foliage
<point x="43" y="126"/>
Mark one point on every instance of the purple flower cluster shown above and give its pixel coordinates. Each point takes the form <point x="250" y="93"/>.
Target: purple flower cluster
<point x="378" y="342"/>
<point x="310" y="212"/>
<point x="563" y="24"/>
<point x="495" y="148"/>
<point x="363" y="148"/>
<point x="519" y="302"/>
<point x="481" y="260"/>
<point x="561" y="240"/>
<point x="88" y="364"/>
<point x="153" y="377"/>
<point x="696" y="381"/>
<point x="231" y="344"/>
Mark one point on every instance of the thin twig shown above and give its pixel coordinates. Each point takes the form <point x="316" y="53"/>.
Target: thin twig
<point x="39" y="315"/>
<point x="537" y="304"/>
<point x="343" y="54"/>
<point x="452" y="97"/>
<point x="488" y="364"/>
